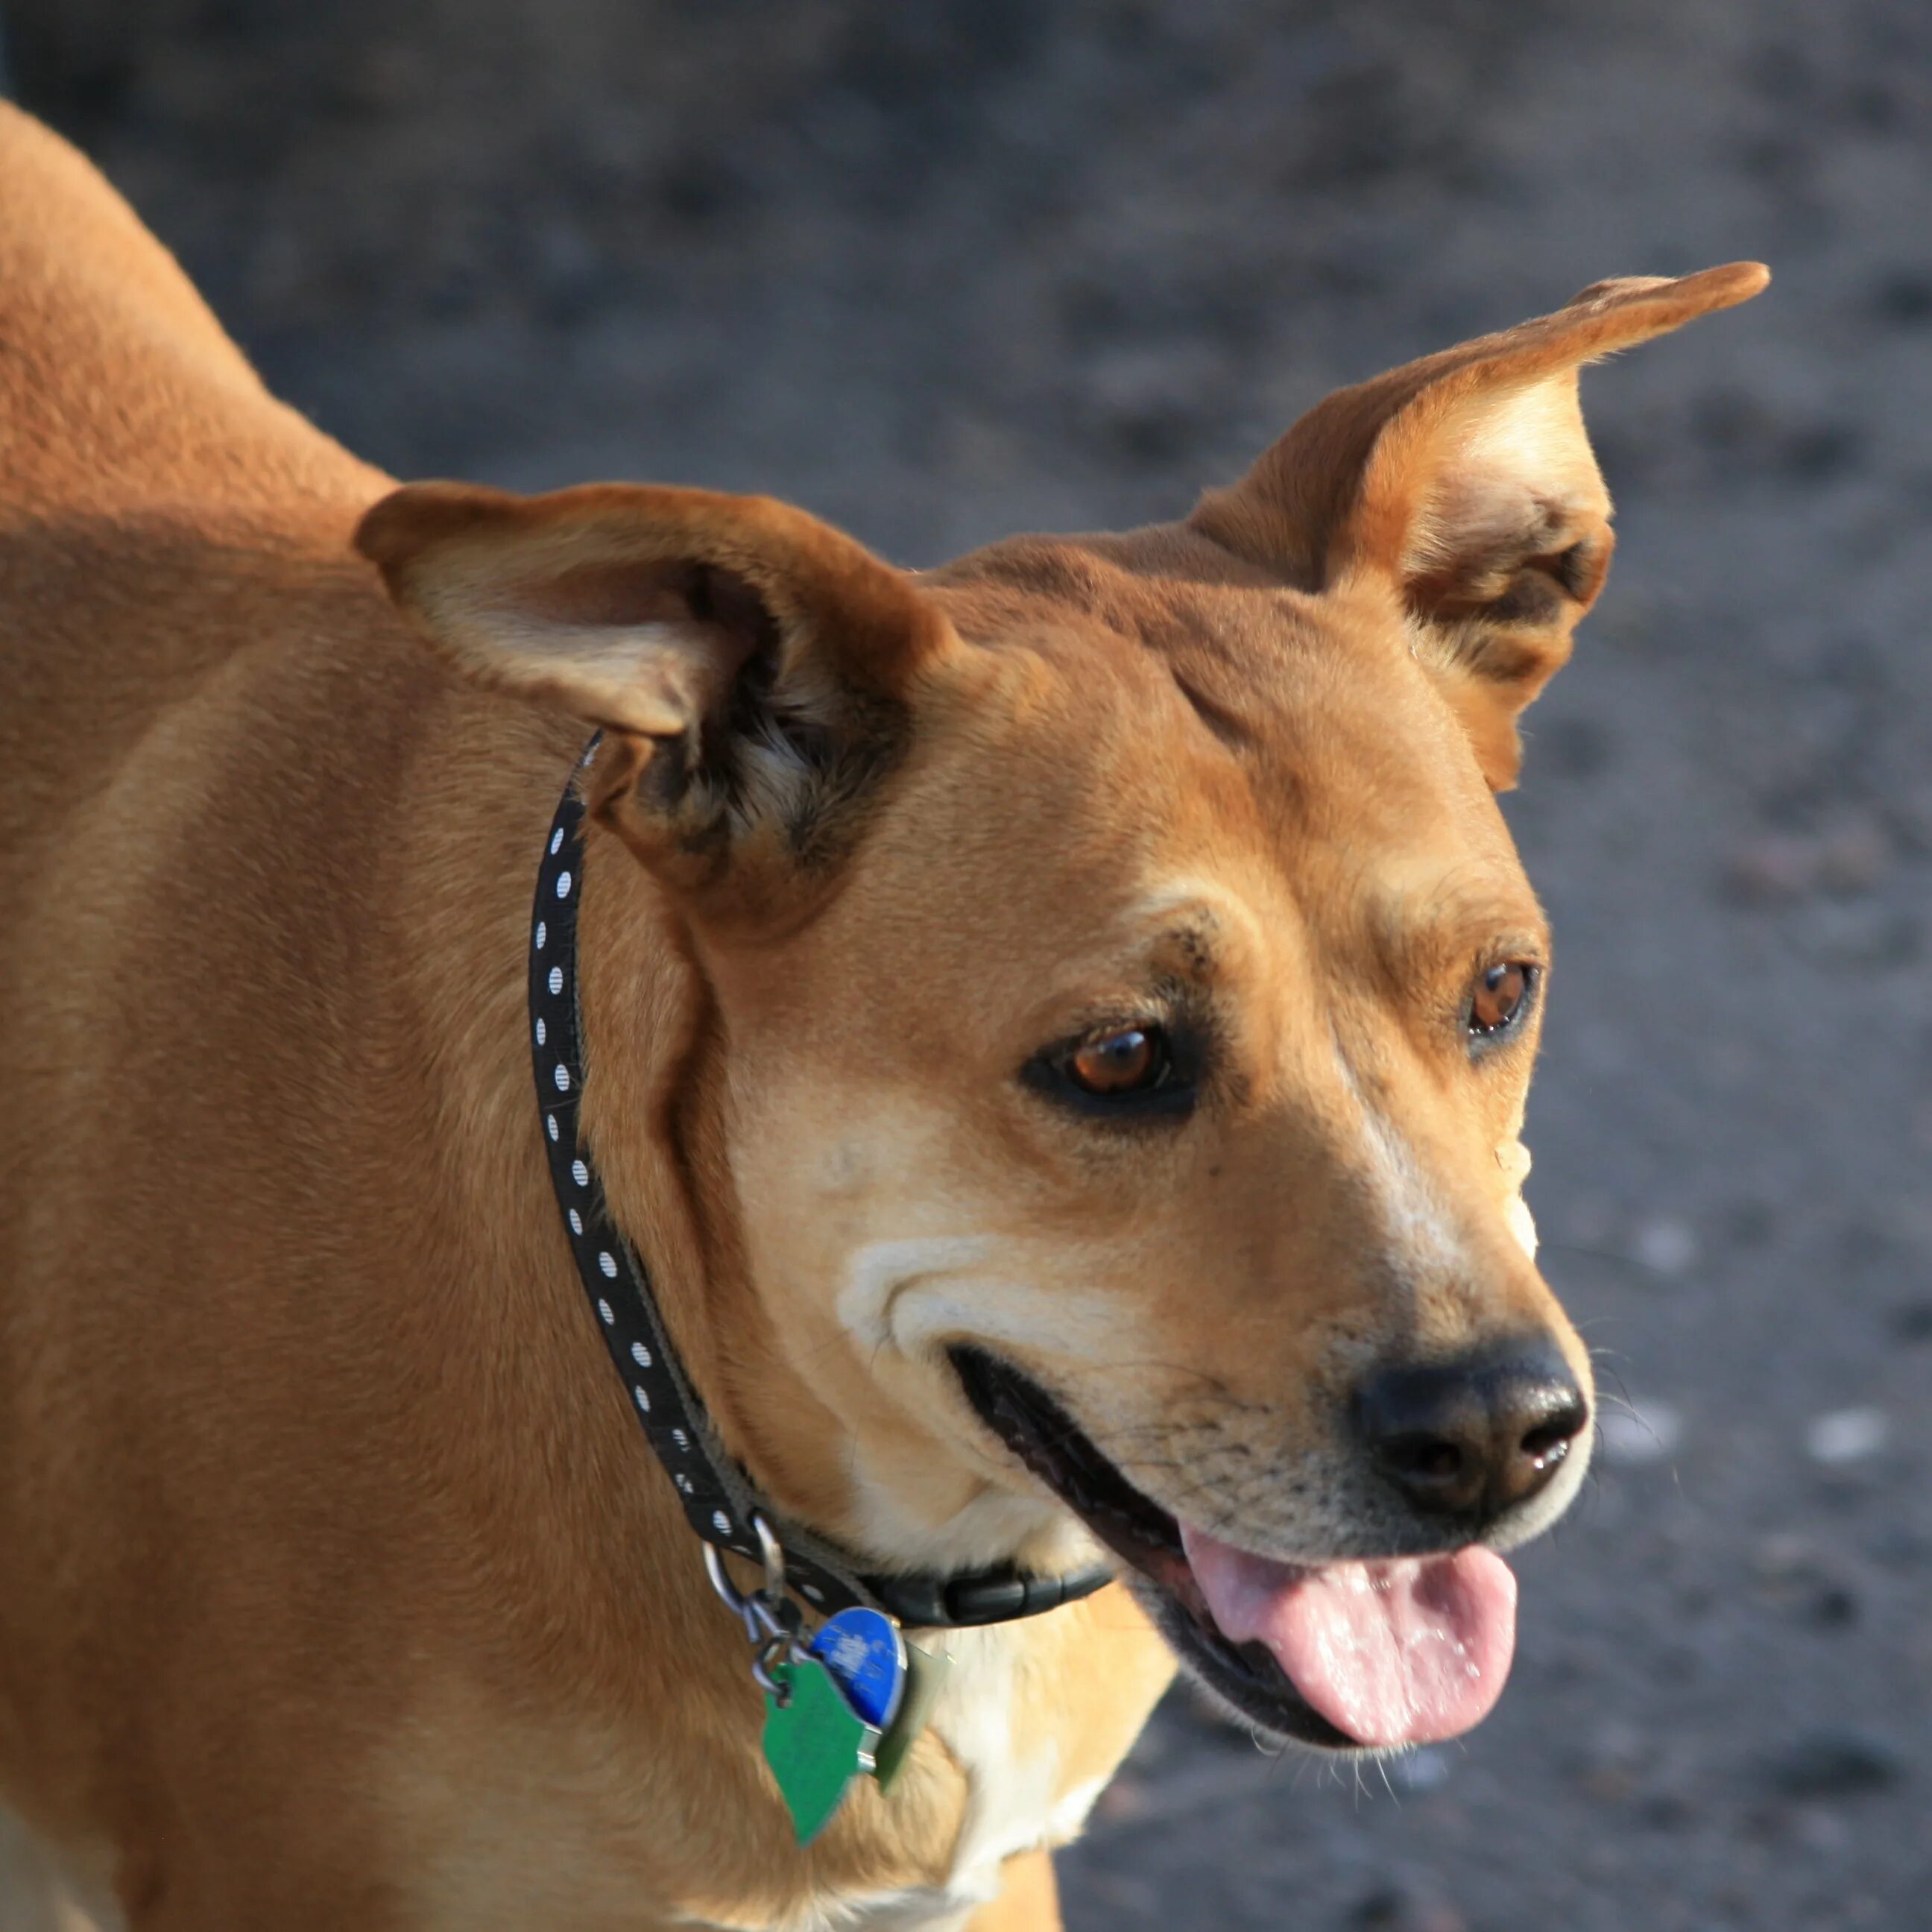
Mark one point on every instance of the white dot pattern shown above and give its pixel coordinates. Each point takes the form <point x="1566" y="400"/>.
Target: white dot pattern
<point x="717" y="1497"/>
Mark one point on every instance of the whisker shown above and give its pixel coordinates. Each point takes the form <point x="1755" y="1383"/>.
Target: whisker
<point x="1616" y="1257"/>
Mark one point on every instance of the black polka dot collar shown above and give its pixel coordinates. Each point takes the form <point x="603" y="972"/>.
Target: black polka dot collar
<point x="719" y="1498"/>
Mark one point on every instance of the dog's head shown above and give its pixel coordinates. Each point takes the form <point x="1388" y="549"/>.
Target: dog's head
<point x="1121" y="993"/>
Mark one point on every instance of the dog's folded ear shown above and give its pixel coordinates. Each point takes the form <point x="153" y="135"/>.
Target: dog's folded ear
<point x="1465" y="482"/>
<point x="747" y="661"/>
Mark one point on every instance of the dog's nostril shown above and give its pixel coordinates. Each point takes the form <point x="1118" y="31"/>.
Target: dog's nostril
<point x="1472" y="1437"/>
<point x="1549" y="1442"/>
<point x="1427" y="1458"/>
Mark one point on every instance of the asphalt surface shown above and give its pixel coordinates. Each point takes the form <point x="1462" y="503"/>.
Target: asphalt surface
<point x="942" y="271"/>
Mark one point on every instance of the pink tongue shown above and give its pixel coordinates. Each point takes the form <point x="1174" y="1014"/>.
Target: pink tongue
<point x="1394" y="1653"/>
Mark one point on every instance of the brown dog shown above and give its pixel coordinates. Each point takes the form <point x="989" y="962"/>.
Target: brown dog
<point x="1058" y="1026"/>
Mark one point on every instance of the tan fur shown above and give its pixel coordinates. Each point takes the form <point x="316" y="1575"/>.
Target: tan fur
<point x="339" y="1589"/>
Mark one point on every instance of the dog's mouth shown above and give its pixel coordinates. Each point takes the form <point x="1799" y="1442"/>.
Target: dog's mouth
<point x="1344" y="1655"/>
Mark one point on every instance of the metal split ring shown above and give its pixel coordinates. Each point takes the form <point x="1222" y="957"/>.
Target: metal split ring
<point x="770" y="1618"/>
<point x="771" y="1553"/>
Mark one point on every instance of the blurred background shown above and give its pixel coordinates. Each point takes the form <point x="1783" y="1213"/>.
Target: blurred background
<point x="945" y="269"/>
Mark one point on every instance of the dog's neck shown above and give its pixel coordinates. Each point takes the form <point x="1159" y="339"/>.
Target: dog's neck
<point x="654" y="1051"/>
<point x="875" y="1480"/>
<point x="763" y="1344"/>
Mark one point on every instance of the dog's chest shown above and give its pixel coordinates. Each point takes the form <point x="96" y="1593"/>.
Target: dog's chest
<point x="532" y="1827"/>
<point x="1018" y="1796"/>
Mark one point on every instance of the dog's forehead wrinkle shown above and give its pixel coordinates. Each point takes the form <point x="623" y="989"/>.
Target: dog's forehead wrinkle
<point x="1221" y="642"/>
<point x="1280" y="703"/>
<point x="1421" y="915"/>
<point x="1186" y="923"/>
<point x="1226" y="720"/>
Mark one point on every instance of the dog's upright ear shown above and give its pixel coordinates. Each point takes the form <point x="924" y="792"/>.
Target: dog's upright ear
<point x="1465" y="483"/>
<point x="747" y="663"/>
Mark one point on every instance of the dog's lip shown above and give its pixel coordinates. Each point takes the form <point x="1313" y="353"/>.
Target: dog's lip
<point x="1053" y="1448"/>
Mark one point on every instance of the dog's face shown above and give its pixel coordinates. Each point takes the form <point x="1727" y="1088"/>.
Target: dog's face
<point x="1124" y="991"/>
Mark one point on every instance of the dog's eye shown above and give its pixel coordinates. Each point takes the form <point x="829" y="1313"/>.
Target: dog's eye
<point x="1500" y="998"/>
<point x="1117" y="1071"/>
<point x="1130" y="1061"/>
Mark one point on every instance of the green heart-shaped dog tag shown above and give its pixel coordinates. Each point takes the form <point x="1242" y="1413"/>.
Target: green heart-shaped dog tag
<point x="815" y="1742"/>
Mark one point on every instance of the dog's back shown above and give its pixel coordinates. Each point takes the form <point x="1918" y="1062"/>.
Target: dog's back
<point x="171" y="540"/>
<point x="137" y="447"/>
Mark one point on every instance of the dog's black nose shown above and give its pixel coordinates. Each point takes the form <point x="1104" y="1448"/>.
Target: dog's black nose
<point x="1473" y="1436"/>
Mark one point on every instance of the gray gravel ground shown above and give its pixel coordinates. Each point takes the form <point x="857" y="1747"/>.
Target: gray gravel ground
<point x="943" y="270"/>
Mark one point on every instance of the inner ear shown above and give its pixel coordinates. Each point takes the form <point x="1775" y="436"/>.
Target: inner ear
<point x="621" y="595"/>
<point x="1494" y="524"/>
<point x="749" y="665"/>
<point x="712" y="635"/>
<point x="1464" y="483"/>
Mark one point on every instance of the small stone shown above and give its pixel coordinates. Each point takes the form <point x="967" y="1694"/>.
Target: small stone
<point x="1644" y="1433"/>
<point x="1899" y="1548"/>
<point x="1833" y="1606"/>
<point x="1390" y="1910"/>
<point x="1836" y="1764"/>
<point x="1381" y="1911"/>
<point x="1666" y="1247"/>
<point x="1904" y="298"/>
<point x="1771" y="871"/>
<point x="1666" y="1811"/>
<point x="1821" y="1831"/>
<point x="1792" y="1573"/>
<point x="1608" y="1783"/>
<point x="1847" y="1435"/>
<point x="1912" y="1321"/>
<point x="1783" y="1555"/>
<point x="1845" y="859"/>
<point x="1852" y="857"/>
<point x="1863" y="934"/>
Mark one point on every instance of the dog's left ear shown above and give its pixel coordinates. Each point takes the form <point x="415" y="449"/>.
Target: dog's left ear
<point x="1465" y="482"/>
<point x="749" y="665"/>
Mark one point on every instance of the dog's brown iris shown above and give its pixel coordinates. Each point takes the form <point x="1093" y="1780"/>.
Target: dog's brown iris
<point x="1499" y="996"/>
<point x="1117" y="1063"/>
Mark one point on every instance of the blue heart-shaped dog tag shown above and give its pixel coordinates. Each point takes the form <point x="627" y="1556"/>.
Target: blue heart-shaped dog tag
<point x="864" y="1652"/>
